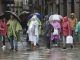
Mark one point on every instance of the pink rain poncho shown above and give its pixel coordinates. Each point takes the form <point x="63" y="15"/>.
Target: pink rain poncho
<point x="55" y="22"/>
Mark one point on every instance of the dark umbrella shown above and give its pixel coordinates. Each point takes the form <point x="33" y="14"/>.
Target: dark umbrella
<point x="24" y="15"/>
<point x="8" y="13"/>
<point x="24" y="18"/>
<point x="37" y="14"/>
<point x="25" y="12"/>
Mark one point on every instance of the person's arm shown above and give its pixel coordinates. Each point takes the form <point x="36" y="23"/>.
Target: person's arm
<point x="8" y="23"/>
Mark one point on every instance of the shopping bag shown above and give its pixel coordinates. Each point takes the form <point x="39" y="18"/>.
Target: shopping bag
<point x="69" y="39"/>
<point x="56" y="32"/>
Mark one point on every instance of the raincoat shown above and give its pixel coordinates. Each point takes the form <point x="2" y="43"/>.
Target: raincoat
<point x="77" y="29"/>
<point x="3" y="28"/>
<point x="56" y="34"/>
<point x="66" y="30"/>
<point x="39" y="24"/>
<point x="33" y="31"/>
<point x="73" y="21"/>
<point x="13" y="27"/>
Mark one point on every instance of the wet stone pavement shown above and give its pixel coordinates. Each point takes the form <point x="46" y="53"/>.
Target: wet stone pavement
<point x="41" y="54"/>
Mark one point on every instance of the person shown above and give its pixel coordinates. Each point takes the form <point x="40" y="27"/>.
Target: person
<point x="3" y="30"/>
<point x="48" y="30"/>
<point x="33" y="32"/>
<point x="77" y="30"/>
<point x="39" y="28"/>
<point x="66" y="30"/>
<point x="73" y="22"/>
<point x="13" y="30"/>
<point x="55" y="37"/>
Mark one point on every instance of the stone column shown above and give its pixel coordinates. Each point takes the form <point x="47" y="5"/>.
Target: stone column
<point x="1" y="9"/>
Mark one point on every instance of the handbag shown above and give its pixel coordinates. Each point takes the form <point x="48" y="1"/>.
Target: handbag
<point x="69" y="39"/>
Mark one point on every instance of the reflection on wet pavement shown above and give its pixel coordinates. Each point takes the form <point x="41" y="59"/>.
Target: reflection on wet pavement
<point x="44" y="54"/>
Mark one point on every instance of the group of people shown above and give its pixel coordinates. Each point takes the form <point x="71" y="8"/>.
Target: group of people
<point x="63" y="29"/>
<point x="9" y="29"/>
<point x="55" y="30"/>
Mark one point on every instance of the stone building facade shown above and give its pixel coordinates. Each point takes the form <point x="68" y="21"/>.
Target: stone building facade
<point x="63" y="7"/>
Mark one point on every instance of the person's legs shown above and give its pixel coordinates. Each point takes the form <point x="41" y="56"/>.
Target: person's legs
<point x="4" y="40"/>
<point x="48" y="42"/>
<point x="38" y="41"/>
<point x="11" y="42"/>
<point x="16" y="44"/>
<point x="64" y="42"/>
<point x="3" y="47"/>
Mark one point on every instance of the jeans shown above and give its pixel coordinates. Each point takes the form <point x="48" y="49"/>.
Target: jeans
<point x="13" y="42"/>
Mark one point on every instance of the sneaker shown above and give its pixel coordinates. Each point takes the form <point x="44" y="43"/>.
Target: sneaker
<point x="3" y="48"/>
<point x="71" y="46"/>
<point x="16" y="49"/>
<point x="64" y="47"/>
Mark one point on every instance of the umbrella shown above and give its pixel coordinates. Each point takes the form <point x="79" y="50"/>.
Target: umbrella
<point x="24" y="15"/>
<point x="25" y="12"/>
<point x="55" y="17"/>
<point x="37" y="14"/>
<point x="13" y="14"/>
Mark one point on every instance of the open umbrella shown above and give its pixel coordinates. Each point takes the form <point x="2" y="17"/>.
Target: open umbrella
<point x="24" y="15"/>
<point x="37" y="14"/>
<point x="8" y="13"/>
<point x="24" y="18"/>
<point x="55" y="17"/>
<point x="25" y="12"/>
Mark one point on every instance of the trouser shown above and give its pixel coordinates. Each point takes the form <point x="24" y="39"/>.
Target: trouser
<point x="3" y="40"/>
<point x="48" y="42"/>
<point x="13" y="43"/>
<point x="64" y="41"/>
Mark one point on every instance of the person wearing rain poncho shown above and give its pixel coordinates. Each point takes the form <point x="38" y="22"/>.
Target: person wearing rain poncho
<point x="13" y="32"/>
<point x="33" y="32"/>
<point x="66" y="31"/>
<point x="73" y="22"/>
<point x="55" y="22"/>
<point x="77" y="30"/>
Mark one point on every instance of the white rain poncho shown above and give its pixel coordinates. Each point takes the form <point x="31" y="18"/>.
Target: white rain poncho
<point x="33" y="30"/>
